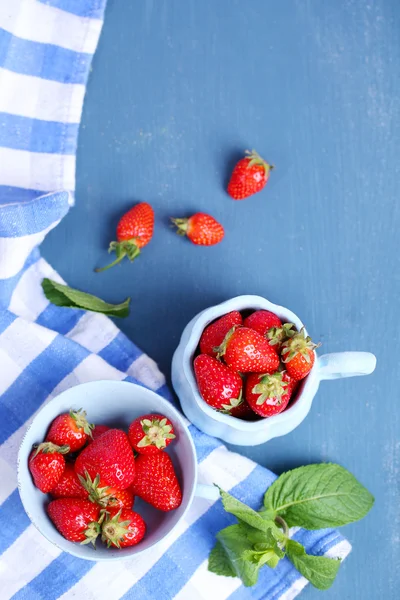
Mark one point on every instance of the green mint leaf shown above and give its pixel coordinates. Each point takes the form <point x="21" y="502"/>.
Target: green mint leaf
<point x="235" y="544"/>
<point x="318" y="496"/>
<point x="243" y="512"/>
<point x="319" y="570"/>
<point x="219" y="562"/>
<point x="62" y="295"/>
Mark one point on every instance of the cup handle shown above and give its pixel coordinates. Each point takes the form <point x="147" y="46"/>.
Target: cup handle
<point x="346" y="364"/>
<point x="210" y="492"/>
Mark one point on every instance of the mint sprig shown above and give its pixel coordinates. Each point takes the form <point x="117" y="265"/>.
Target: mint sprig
<point x="312" y="497"/>
<point x="62" y="295"/>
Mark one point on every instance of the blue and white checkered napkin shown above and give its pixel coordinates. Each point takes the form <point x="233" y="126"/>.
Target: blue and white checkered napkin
<point x="46" y="47"/>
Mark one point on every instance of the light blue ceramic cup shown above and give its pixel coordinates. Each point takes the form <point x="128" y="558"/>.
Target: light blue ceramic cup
<point x="113" y="403"/>
<point x="246" y="433"/>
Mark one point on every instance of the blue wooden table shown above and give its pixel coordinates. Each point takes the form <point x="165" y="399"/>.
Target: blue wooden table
<point x="178" y="90"/>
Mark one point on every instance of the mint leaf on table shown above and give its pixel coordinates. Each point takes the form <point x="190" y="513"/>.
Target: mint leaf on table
<point x="62" y="295"/>
<point x="219" y="562"/>
<point x="266" y="550"/>
<point x="318" y="496"/>
<point x="243" y="512"/>
<point x="319" y="570"/>
<point x="235" y="543"/>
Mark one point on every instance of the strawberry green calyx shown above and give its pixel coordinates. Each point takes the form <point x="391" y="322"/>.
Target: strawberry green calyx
<point x="113" y="530"/>
<point x="157" y="432"/>
<point x="97" y="495"/>
<point x="270" y="386"/>
<point x="220" y="350"/>
<point x="277" y="335"/>
<point x="91" y="533"/>
<point x="298" y="344"/>
<point x="255" y="159"/>
<point x="50" y="448"/>
<point x="182" y="225"/>
<point x="79" y="416"/>
<point x="127" y="248"/>
<point x="233" y="403"/>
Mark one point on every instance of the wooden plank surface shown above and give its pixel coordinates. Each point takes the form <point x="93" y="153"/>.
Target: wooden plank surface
<point x="178" y="90"/>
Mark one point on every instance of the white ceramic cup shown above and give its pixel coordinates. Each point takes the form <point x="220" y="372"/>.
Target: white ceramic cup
<point x="113" y="403"/>
<point x="251" y="433"/>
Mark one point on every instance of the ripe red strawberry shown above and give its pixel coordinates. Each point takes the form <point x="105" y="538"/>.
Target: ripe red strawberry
<point x="245" y="350"/>
<point x="156" y="481"/>
<point x="262" y="321"/>
<point x="68" y="485"/>
<point x="243" y="411"/>
<point x="46" y="464"/>
<point x="150" y="433"/>
<point x="123" y="528"/>
<point x="75" y="519"/>
<point x="249" y="176"/>
<point x="298" y="355"/>
<point x="267" y="394"/>
<point x="106" y="496"/>
<point x="218" y="385"/>
<point x="97" y="431"/>
<point x="111" y="458"/>
<point x="134" y="231"/>
<point x="201" y="229"/>
<point x="70" y="429"/>
<point x="214" y="334"/>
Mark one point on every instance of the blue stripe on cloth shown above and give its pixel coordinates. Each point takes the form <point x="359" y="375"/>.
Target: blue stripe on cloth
<point x="10" y="194"/>
<point x="93" y="9"/>
<point x="17" y="220"/>
<point x="60" y="575"/>
<point x="35" y="135"/>
<point x="6" y="318"/>
<point x="205" y="444"/>
<point x="13" y="520"/>
<point x="7" y="286"/>
<point x="166" y="393"/>
<point x="36" y="382"/>
<point x="59" y="318"/>
<point x="43" y="60"/>
<point x="187" y="553"/>
<point x="120" y="352"/>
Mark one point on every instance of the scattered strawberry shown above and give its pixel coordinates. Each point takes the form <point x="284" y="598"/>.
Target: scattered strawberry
<point x="97" y="431"/>
<point x="249" y="176"/>
<point x="46" y="464"/>
<point x="75" y="519"/>
<point x="122" y="529"/>
<point x="68" y="485"/>
<point x="156" y="481"/>
<point x="262" y="321"/>
<point x="70" y="429"/>
<point x="201" y="229"/>
<point x="298" y="355"/>
<point x="277" y="335"/>
<point x="218" y="385"/>
<point x="105" y="496"/>
<point x="268" y="394"/>
<point x="110" y="457"/>
<point x="150" y="433"/>
<point x="245" y="350"/>
<point x="134" y="231"/>
<point x="214" y="334"/>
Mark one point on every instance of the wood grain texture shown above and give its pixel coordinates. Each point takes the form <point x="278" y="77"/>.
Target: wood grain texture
<point x="178" y="90"/>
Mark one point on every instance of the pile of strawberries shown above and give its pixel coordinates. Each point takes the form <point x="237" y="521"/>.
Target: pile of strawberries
<point x="135" y="228"/>
<point x="251" y="367"/>
<point x="93" y="473"/>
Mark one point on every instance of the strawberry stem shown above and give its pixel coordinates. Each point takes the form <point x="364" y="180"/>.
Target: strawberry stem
<point x="181" y="224"/>
<point x="125" y="248"/>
